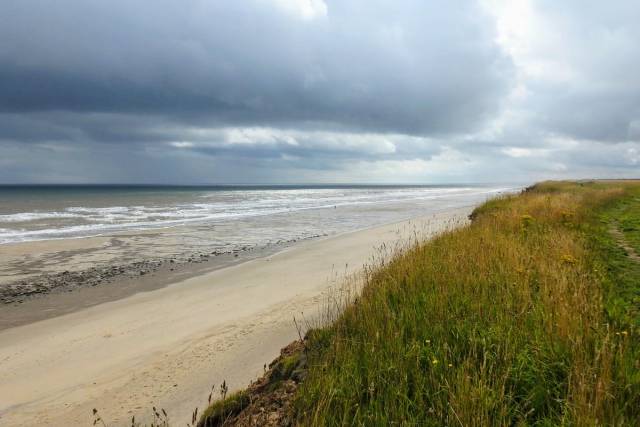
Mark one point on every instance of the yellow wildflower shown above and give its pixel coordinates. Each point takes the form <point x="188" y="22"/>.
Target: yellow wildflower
<point x="527" y="220"/>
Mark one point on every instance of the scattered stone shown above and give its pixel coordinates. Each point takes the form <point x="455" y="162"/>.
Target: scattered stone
<point x="69" y="280"/>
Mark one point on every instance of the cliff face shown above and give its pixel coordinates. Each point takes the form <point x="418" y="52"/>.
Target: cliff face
<point x="266" y="402"/>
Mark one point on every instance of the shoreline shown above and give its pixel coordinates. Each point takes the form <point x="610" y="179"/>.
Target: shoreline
<point x="48" y="295"/>
<point x="166" y="347"/>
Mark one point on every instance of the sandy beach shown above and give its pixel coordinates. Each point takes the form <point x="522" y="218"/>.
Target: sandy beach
<point x="166" y="347"/>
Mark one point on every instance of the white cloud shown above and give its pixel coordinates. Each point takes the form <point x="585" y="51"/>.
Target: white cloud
<point x="305" y="9"/>
<point x="518" y="152"/>
<point x="181" y="144"/>
<point x="538" y="49"/>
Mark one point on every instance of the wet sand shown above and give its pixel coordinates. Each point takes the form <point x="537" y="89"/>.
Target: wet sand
<point x="66" y="293"/>
<point x="44" y="279"/>
<point x="166" y="347"/>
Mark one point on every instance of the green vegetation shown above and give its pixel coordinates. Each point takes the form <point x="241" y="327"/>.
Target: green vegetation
<point x="219" y="411"/>
<point x="616" y="241"/>
<point x="530" y="315"/>
<point x="627" y="217"/>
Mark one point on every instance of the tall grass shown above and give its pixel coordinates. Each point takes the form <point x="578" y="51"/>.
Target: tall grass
<point x="502" y="322"/>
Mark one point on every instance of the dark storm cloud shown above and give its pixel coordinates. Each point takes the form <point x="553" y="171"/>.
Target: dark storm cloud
<point x="413" y="67"/>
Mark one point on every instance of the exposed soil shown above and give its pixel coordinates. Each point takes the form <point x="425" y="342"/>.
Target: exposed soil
<point x="269" y="400"/>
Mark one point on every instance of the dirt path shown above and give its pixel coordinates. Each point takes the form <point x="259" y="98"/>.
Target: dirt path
<point x="620" y="239"/>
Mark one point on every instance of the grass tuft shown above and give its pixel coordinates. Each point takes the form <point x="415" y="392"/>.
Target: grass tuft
<point x="220" y="411"/>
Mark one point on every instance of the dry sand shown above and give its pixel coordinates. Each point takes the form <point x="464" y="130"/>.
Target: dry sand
<point x="168" y="346"/>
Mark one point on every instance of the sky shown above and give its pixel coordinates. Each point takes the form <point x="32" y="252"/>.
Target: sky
<point x="318" y="91"/>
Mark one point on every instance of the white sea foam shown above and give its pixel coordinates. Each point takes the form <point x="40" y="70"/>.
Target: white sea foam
<point x="35" y="216"/>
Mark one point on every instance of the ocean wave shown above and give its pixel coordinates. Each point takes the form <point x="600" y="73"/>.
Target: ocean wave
<point x="36" y="216"/>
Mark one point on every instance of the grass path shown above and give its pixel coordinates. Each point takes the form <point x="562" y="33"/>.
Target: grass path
<point x="624" y="244"/>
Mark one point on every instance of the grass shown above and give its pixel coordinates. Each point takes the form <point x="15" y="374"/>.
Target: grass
<point x="616" y="241"/>
<point x="627" y="217"/>
<point x="528" y="316"/>
<point x="218" y="412"/>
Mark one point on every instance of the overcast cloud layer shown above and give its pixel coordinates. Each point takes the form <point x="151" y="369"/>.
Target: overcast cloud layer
<point x="280" y="91"/>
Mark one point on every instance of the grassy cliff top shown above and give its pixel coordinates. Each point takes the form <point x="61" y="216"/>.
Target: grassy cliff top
<point x="529" y="315"/>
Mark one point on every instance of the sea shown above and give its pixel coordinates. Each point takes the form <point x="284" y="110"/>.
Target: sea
<point x="229" y="214"/>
